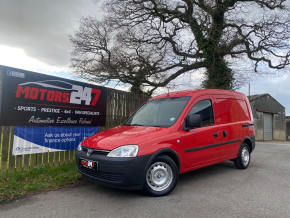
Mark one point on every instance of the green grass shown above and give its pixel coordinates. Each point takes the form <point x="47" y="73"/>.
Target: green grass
<point x="41" y="178"/>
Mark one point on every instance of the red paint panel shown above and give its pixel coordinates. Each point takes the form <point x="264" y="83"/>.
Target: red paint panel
<point x="198" y="139"/>
<point x="242" y="110"/>
<point x="226" y="111"/>
<point x="231" y="113"/>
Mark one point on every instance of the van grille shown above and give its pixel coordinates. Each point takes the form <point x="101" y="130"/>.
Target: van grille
<point x="102" y="175"/>
<point x="96" y="151"/>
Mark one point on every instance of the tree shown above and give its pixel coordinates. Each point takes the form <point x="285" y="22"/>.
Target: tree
<point x="211" y="32"/>
<point x="103" y="55"/>
<point x="199" y="34"/>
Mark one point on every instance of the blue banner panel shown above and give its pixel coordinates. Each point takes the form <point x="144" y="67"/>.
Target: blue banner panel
<point x="31" y="140"/>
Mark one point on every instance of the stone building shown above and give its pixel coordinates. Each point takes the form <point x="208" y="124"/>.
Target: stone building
<point x="269" y="117"/>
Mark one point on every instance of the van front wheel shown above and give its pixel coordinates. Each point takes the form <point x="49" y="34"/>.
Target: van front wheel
<point x="161" y="177"/>
<point x="244" y="157"/>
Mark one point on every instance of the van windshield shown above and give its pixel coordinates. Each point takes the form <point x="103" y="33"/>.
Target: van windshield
<point x="161" y="112"/>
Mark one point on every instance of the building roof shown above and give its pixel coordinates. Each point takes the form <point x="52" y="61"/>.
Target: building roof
<point x="254" y="97"/>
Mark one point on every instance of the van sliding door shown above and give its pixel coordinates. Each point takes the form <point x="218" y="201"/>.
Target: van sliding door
<point x="231" y="113"/>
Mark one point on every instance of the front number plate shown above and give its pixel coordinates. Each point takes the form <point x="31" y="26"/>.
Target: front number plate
<point x="93" y="165"/>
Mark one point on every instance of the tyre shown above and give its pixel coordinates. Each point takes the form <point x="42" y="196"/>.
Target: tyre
<point x="244" y="157"/>
<point x="161" y="177"/>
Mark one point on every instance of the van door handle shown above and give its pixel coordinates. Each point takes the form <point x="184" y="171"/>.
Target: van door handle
<point x="225" y="133"/>
<point x="215" y="134"/>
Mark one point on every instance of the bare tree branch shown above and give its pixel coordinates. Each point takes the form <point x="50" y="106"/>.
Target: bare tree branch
<point x="152" y="42"/>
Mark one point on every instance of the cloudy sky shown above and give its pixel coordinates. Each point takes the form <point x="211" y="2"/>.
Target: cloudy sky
<point x="34" y="36"/>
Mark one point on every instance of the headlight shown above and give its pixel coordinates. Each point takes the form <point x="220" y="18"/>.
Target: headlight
<point x="79" y="148"/>
<point x="124" y="151"/>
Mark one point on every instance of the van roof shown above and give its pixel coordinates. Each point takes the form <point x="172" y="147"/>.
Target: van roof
<point x="200" y="91"/>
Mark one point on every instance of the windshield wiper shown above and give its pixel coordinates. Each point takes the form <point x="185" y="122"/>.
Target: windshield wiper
<point x="135" y="124"/>
<point x="159" y="126"/>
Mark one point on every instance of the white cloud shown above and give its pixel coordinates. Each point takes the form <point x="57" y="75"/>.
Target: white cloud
<point x="16" y="57"/>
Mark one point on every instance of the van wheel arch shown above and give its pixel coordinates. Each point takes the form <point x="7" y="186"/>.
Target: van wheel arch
<point x="248" y="141"/>
<point x="168" y="152"/>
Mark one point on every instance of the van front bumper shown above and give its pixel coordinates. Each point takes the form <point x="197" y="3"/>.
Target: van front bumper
<point x="122" y="173"/>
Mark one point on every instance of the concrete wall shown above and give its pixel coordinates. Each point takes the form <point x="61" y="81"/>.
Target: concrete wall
<point x="266" y="104"/>
<point x="288" y="131"/>
<point x="279" y="127"/>
<point x="259" y="125"/>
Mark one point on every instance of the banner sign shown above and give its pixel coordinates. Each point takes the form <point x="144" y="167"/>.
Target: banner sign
<point x="34" y="99"/>
<point x="32" y="140"/>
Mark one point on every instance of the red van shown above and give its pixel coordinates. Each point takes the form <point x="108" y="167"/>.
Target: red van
<point x="168" y="135"/>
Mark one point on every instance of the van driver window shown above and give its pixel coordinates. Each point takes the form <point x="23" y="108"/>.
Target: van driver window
<point x="204" y="108"/>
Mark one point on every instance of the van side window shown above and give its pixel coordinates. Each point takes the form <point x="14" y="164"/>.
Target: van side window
<point x="204" y="108"/>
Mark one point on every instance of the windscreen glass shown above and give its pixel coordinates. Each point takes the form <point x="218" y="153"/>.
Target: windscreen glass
<point x="161" y="112"/>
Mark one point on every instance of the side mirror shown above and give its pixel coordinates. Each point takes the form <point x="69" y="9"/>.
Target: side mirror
<point x="193" y="121"/>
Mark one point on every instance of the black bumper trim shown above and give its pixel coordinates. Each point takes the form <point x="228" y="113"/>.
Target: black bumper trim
<point x="121" y="173"/>
<point x="253" y="140"/>
<point x="124" y="187"/>
<point x="111" y="177"/>
<point x="212" y="145"/>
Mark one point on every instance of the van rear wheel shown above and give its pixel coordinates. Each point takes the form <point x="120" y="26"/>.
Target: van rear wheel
<point x="244" y="157"/>
<point x="161" y="177"/>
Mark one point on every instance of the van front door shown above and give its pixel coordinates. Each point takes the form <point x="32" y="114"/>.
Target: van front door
<point x="201" y="145"/>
